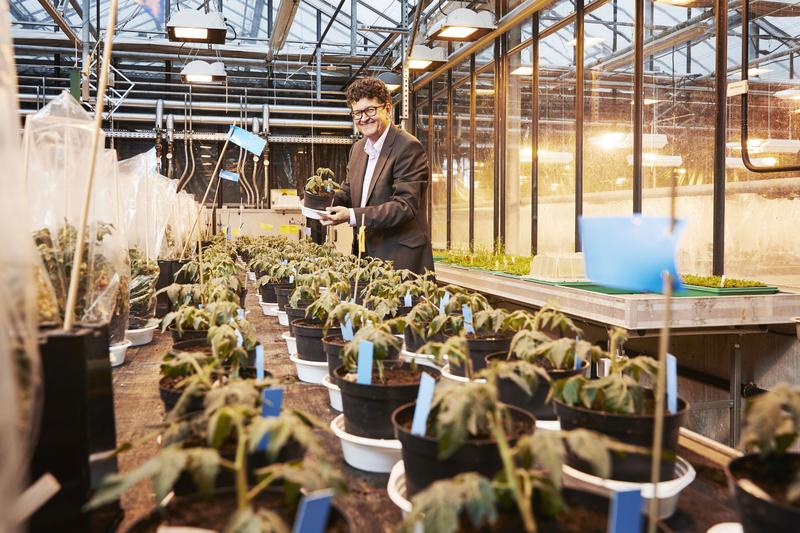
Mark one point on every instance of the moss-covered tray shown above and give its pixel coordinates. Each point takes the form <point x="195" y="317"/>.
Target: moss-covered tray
<point x="732" y="291"/>
<point x="732" y="287"/>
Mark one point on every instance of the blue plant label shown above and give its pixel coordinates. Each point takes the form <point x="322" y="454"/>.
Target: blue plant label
<point x="239" y="338"/>
<point x="578" y="362"/>
<point x="271" y="403"/>
<point x="199" y="306"/>
<point x="347" y="328"/>
<point x="328" y="187"/>
<point x="427" y="385"/>
<point x="259" y="361"/>
<point x="366" y="351"/>
<point x="631" y="252"/>
<point x="467" y="312"/>
<point x="227" y="233"/>
<point x="672" y="383"/>
<point x="625" y="514"/>
<point x="443" y="302"/>
<point x="228" y="175"/>
<point x="313" y="512"/>
<point x="240" y="314"/>
<point x="307" y="232"/>
<point x="249" y="141"/>
<point x="407" y="299"/>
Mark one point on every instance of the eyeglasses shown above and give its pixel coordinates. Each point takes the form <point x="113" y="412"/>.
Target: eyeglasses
<point x="370" y="112"/>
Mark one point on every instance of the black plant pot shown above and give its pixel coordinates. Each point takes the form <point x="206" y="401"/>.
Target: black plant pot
<point x="478" y="350"/>
<point x="167" y="268"/>
<point x="414" y="342"/>
<point x="368" y="408"/>
<point x="420" y="453"/>
<point x="757" y="514"/>
<point x="294" y="313"/>
<point x="214" y="513"/>
<point x="283" y="292"/>
<point x="630" y="429"/>
<point x="187" y="334"/>
<point x="333" y="345"/>
<point x="508" y="392"/>
<point x="170" y="397"/>
<point x="317" y="201"/>
<point x="308" y="336"/>
<point x="268" y="294"/>
<point x="242" y="297"/>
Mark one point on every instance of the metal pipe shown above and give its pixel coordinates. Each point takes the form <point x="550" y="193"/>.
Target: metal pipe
<point x="579" y="96"/>
<point x="159" y="118"/>
<point x="720" y="137"/>
<point x="638" y="103"/>
<point x="325" y="33"/>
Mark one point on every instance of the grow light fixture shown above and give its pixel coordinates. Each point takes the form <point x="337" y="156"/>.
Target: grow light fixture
<point x="614" y="140"/>
<point x="192" y="26"/>
<point x="760" y="146"/>
<point x="650" y="159"/>
<point x="788" y="94"/>
<point x="423" y="57"/>
<point x="462" y="24"/>
<point x="484" y="92"/>
<point x="752" y="72"/>
<point x="522" y="70"/>
<point x="199" y="71"/>
<point x="736" y="162"/>
<point x="545" y="156"/>
<point x="588" y="42"/>
<point x="392" y="80"/>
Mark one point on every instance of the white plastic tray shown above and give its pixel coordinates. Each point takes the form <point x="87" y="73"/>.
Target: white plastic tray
<point x="371" y="455"/>
<point x="269" y="309"/>
<point x="251" y="276"/>
<point x="552" y="425"/>
<point x="668" y="491"/>
<point x="142" y="336"/>
<point x="117" y="352"/>
<point x="334" y="392"/>
<point x="291" y="342"/>
<point x="310" y="371"/>
<point x="283" y="318"/>
<point x="458" y="379"/>
<point x="420" y="358"/>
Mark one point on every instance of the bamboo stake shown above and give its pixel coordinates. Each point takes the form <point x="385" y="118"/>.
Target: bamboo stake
<point x="205" y="196"/>
<point x="361" y="246"/>
<point x="80" y="245"/>
<point x="663" y="348"/>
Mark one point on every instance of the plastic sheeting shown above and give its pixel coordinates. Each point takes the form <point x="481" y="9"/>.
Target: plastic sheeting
<point x="179" y="227"/>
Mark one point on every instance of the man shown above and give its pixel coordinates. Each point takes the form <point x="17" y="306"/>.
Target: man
<point x="386" y="185"/>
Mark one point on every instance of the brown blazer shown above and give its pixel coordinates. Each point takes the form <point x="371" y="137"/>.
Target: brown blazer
<point x="396" y="210"/>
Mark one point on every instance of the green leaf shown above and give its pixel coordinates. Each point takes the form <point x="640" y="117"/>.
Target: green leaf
<point x="203" y="465"/>
<point x="439" y="507"/>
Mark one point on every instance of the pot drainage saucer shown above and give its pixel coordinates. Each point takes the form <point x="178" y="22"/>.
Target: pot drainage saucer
<point x="371" y="455"/>
<point x="726" y="527"/>
<point x="141" y="336"/>
<point x="458" y="379"/>
<point x="419" y="358"/>
<point x="310" y="371"/>
<point x="283" y="318"/>
<point x="117" y="352"/>
<point x="269" y="309"/>
<point x="334" y="392"/>
<point x="291" y="342"/>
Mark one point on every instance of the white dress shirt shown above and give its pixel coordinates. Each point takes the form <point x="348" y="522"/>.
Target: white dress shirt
<point x="372" y="151"/>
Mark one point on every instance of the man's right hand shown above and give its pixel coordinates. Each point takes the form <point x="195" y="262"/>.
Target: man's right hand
<point x="337" y="214"/>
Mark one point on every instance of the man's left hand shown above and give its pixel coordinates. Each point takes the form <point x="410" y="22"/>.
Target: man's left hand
<point x="336" y="215"/>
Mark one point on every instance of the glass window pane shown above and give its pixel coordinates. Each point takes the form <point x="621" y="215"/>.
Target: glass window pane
<point x="439" y="162"/>
<point x="484" y="158"/>
<point x="519" y="154"/>
<point x="461" y="163"/>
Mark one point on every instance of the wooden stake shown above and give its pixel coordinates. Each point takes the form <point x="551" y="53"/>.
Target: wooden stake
<point x="205" y="196"/>
<point x="80" y="245"/>
<point x="361" y="246"/>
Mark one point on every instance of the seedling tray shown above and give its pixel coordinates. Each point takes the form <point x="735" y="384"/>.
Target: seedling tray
<point x="732" y="291"/>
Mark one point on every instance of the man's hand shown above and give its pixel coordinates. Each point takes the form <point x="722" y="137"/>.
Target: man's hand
<point x="336" y="215"/>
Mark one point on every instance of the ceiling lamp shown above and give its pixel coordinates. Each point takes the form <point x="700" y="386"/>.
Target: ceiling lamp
<point x="775" y="146"/>
<point x="650" y="159"/>
<point x="423" y="57"/>
<point x="736" y="162"/>
<point x="392" y="80"/>
<point x="613" y="140"/>
<point x="788" y="94"/>
<point x="462" y="24"/>
<point x="522" y="70"/>
<point x="199" y="71"/>
<point x="192" y="26"/>
<point x="588" y="42"/>
<point x="544" y="156"/>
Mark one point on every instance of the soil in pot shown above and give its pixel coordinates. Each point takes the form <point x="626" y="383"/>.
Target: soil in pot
<point x="170" y="394"/>
<point x="368" y="408"/>
<point x="420" y="453"/>
<point x="630" y="429"/>
<point x="187" y="334"/>
<point x="508" y="392"/>
<point x="214" y="514"/>
<point x="308" y="336"/>
<point x="317" y="201"/>
<point x="772" y="474"/>
<point x="479" y="347"/>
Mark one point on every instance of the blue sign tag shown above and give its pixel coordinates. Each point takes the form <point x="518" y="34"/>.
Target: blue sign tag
<point x="249" y="141"/>
<point x="365" y="353"/>
<point x="271" y="403"/>
<point x="239" y="338"/>
<point x="672" y="383"/>
<point x="578" y="362"/>
<point x="423" y="407"/>
<point x="199" y="306"/>
<point x="240" y="314"/>
<point x="347" y="328"/>
<point x="443" y="302"/>
<point x="259" y="361"/>
<point x="313" y="512"/>
<point x="625" y="515"/>
<point x="228" y="175"/>
<point x="407" y="299"/>
<point x="630" y="252"/>
<point x="467" y="312"/>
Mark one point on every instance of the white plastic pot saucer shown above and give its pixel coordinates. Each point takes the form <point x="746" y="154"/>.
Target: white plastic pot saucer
<point x="117" y="352"/>
<point x="269" y="309"/>
<point x="552" y="425"/>
<point x="726" y="527"/>
<point x="668" y="491"/>
<point x="370" y="455"/>
<point x="334" y="392"/>
<point x="310" y="371"/>
<point x="419" y="358"/>
<point x="291" y="342"/>
<point x="397" y="488"/>
<point x="458" y="379"/>
<point x="283" y="318"/>
<point x="141" y="336"/>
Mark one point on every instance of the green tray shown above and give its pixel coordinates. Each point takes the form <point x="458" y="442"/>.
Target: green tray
<point x="730" y="291"/>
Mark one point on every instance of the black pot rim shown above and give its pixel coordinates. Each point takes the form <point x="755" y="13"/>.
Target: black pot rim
<point x="332" y="336"/>
<point x="296" y="323"/>
<point x="399" y="428"/>
<point x="622" y="416"/>
<point x="496" y="338"/>
<point x="754" y="457"/>
<point x="492" y="357"/>
<point x="430" y="370"/>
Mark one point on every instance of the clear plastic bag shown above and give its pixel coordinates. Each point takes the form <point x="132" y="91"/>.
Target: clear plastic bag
<point x="179" y="227"/>
<point x="57" y="146"/>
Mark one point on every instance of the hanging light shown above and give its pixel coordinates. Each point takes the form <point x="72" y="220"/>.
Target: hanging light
<point x="423" y="57"/>
<point x="462" y="24"/>
<point x="192" y="26"/>
<point x="522" y="70"/>
<point x="650" y="159"/>
<point x="588" y="42"/>
<point x="392" y="80"/>
<point x="788" y="94"/>
<point x="199" y="71"/>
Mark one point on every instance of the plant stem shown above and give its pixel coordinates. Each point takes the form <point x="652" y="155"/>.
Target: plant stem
<point x="523" y="502"/>
<point x="240" y="467"/>
<point x="263" y="484"/>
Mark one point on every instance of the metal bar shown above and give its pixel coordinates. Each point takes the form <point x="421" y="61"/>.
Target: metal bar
<point x="721" y="76"/>
<point x="258" y="12"/>
<point x="535" y="136"/>
<point x="449" y="144"/>
<point x="498" y="213"/>
<point x="76" y="6"/>
<point x="638" y="103"/>
<point x="64" y="25"/>
<point x="472" y="113"/>
<point x="579" y="90"/>
<point x="353" y="26"/>
<point x="327" y="28"/>
<point x="735" y="390"/>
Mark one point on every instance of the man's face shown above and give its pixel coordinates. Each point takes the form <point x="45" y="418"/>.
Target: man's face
<point x="371" y="126"/>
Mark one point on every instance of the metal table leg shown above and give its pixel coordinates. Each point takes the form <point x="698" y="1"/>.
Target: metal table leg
<point x="735" y="392"/>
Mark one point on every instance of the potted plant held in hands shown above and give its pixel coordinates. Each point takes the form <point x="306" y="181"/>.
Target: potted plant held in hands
<point x="320" y="189"/>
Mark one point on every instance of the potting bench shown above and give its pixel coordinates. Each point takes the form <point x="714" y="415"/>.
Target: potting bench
<point x="642" y="315"/>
